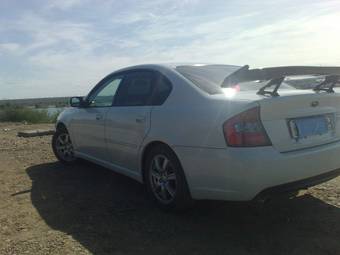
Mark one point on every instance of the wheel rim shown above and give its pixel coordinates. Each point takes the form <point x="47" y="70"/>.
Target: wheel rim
<point x="163" y="179"/>
<point x="64" y="147"/>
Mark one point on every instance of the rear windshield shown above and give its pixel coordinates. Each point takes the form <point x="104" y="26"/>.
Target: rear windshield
<point x="210" y="77"/>
<point x="207" y="77"/>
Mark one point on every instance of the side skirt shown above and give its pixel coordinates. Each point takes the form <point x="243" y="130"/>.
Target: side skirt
<point x="115" y="168"/>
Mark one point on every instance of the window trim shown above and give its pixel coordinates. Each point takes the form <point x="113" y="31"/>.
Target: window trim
<point x="124" y="75"/>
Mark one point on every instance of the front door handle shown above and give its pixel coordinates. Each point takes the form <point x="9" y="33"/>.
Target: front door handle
<point x="99" y="117"/>
<point x="140" y="119"/>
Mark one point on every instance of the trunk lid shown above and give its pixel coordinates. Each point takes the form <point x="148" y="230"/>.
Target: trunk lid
<point x="301" y="119"/>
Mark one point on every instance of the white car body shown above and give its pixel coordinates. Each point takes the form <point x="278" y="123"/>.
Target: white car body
<point x="190" y="122"/>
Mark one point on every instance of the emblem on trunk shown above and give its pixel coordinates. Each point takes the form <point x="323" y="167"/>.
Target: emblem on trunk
<point x="314" y="103"/>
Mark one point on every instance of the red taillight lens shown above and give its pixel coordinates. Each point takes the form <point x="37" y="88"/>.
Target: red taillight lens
<point x="246" y="130"/>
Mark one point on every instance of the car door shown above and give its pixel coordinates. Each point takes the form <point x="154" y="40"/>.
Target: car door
<point x="128" y="121"/>
<point x="88" y="125"/>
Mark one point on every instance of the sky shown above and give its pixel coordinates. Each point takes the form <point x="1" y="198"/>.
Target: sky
<point x="64" y="47"/>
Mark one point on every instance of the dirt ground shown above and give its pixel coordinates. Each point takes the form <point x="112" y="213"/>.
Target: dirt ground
<point x="47" y="208"/>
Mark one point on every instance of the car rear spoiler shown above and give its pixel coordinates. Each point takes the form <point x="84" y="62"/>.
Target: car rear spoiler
<point x="276" y="75"/>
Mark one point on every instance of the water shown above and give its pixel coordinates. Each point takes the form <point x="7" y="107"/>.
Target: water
<point x="51" y="110"/>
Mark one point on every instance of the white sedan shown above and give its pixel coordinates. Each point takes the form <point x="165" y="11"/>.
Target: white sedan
<point x="216" y="132"/>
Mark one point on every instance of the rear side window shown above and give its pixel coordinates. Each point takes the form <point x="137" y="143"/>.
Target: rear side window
<point x="136" y="90"/>
<point x="162" y="90"/>
<point x="142" y="88"/>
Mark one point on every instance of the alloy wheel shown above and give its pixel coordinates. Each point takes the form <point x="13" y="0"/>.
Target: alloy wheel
<point x="163" y="179"/>
<point x="64" y="147"/>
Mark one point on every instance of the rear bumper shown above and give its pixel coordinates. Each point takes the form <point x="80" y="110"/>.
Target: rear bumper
<point x="297" y="185"/>
<point x="241" y="174"/>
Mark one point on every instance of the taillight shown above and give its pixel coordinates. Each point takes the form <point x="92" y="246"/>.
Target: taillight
<point x="246" y="130"/>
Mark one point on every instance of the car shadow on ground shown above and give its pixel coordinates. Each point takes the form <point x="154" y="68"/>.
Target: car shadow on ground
<point x="109" y="213"/>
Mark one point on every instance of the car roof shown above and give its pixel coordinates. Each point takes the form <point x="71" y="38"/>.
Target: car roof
<point x="172" y="66"/>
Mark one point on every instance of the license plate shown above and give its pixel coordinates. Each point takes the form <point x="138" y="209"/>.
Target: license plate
<point x="302" y="128"/>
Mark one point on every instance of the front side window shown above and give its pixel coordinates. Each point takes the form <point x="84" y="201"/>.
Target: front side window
<point x="104" y="95"/>
<point x="136" y="90"/>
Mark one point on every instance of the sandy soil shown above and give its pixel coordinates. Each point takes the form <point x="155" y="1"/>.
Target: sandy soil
<point x="47" y="208"/>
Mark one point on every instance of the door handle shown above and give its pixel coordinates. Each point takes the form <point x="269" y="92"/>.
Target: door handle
<point x="140" y="119"/>
<point x="99" y="117"/>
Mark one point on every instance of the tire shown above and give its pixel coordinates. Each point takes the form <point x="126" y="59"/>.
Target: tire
<point x="165" y="181"/>
<point x="62" y="147"/>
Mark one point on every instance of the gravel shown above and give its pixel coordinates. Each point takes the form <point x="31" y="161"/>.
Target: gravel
<point x="47" y="208"/>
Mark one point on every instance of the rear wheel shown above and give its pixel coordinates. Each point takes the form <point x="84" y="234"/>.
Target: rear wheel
<point x="165" y="179"/>
<point x="62" y="147"/>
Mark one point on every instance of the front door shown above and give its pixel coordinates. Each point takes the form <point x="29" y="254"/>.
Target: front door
<point x="88" y="126"/>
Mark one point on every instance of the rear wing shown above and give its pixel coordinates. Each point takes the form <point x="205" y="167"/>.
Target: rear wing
<point x="276" y="75"/>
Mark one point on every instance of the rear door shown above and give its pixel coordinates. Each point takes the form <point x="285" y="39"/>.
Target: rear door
<point x="129" y="120"/>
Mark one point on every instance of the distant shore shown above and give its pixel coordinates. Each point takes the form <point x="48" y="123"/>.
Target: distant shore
<point x="37" y="102"/>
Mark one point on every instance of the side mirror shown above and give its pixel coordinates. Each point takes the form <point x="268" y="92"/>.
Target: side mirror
<point x="76" y="101"/>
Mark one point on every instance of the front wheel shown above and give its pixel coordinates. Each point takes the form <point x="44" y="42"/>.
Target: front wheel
<point x="165" y="179"/>
<point x="62" y="147"/>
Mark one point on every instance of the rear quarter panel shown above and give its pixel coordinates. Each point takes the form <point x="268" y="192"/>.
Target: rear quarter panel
<point x="191" y="117"/>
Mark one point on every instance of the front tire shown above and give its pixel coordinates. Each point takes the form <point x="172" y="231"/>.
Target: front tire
<point x="62" y="147"/>
<point x="165" y="179"/>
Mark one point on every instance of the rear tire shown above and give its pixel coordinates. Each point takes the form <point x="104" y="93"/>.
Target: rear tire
<point x="165" y="180"/>
<point x="62" y="147"/>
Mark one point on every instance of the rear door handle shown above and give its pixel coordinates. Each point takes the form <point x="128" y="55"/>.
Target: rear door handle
<point x="99" y="117"/>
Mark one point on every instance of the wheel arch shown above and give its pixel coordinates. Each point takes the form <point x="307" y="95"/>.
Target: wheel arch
<point x="187" y="200"/>
<point x="60" y="125"/>
<point x="147" y="149"/>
